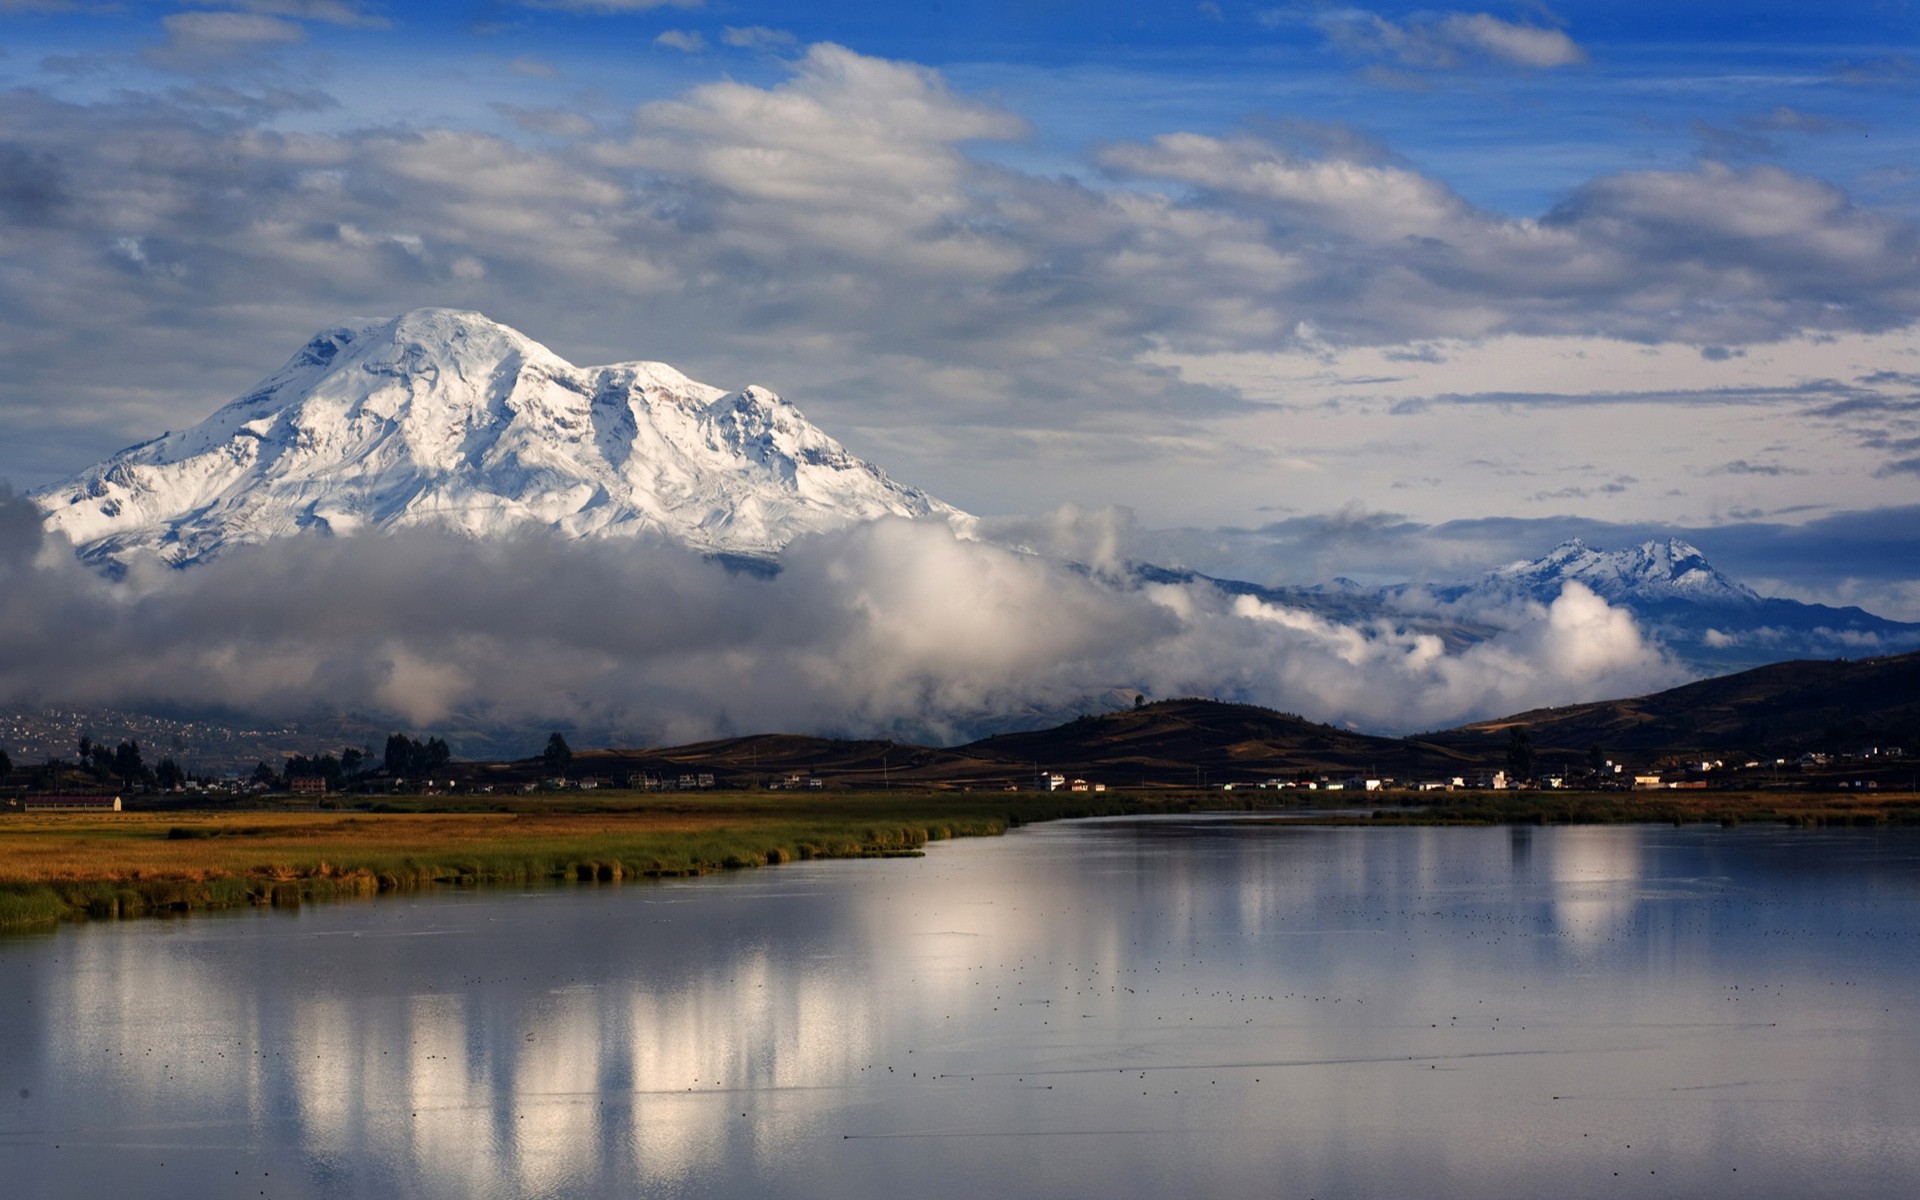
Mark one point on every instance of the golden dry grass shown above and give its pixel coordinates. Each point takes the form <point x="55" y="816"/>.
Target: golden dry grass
<point x="61" y="864"/>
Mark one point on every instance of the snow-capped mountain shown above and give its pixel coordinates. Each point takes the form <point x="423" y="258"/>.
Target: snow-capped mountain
<point x="446" y="419"/>
<point x="1709" y="621"/>
<point x="1649" y="572"/>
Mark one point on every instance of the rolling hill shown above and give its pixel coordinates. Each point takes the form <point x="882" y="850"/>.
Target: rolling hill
<point x="1836" y="708"/>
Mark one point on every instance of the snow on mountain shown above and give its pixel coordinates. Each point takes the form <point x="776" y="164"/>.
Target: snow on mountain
<point x="1650" y="572"/>
<point x="445" y="419"/>
<point x="1707" y="620"/>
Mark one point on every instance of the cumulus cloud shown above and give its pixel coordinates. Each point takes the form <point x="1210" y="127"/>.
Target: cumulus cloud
<point x="891" y="626"/>
<point x="1713" y="255"/>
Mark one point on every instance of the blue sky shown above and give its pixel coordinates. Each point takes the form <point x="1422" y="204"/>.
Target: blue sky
<point x="1244" y="269"/>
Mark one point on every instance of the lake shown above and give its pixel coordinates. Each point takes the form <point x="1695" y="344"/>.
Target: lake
<point x="1133" y="1007"/>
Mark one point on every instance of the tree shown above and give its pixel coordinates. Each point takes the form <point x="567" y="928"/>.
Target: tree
<point x="263" y="774"/>
<point x="6" y="765"/>
<point x="127" y="764"/>
<point x="86" y="749"/>
<point x="351" y="760"/>
<point x="324" y="766"/>
<point x="1520" y="752"/>
<point x="558" y="755"/>
<point x="1596" y="758"/>
<point x="169" y="775"/>
<point x="399" y="755"/>
<point x="406" y="756"/>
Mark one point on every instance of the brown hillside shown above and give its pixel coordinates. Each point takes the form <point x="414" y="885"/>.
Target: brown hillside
<point x="1837" y="706"/>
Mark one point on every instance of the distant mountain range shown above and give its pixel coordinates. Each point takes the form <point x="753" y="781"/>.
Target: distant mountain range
<point x="1711" y="622"/>
<point x="445" y="419"/>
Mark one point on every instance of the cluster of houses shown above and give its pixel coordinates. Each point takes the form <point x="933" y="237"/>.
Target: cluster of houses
<point x="1496" y="781"/>
<point x="642" y="781"/>
<point x="797" y="783"/>
<point x="1055" y="782"/>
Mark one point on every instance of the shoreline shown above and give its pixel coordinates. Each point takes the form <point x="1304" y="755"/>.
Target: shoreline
<point x="60" y="867"/>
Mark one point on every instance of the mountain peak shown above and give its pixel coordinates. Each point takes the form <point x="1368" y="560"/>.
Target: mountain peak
<point x="1652" y="571"/>
<point x="445" y="418"/>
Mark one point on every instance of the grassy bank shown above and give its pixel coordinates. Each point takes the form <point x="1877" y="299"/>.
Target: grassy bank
<point x="58" y="866"/>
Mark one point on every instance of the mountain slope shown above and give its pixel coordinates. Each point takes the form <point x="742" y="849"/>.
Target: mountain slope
<point x="1188" y="741"/>
<point x="1782" y="707"/>
<point x="445" y="419"/>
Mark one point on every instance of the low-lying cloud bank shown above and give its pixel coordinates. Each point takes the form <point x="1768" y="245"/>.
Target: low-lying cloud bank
<point x="890" y="627"/>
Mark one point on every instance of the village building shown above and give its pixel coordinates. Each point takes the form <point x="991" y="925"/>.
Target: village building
<point x="71" y="804"/>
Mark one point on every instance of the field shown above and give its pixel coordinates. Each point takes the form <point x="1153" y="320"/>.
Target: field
<point x="59" y="866"/>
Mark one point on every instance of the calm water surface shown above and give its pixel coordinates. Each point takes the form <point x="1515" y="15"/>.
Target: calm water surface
<point x="1122" y="1008"/>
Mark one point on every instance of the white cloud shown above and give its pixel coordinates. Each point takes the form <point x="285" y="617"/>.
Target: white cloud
<point x="533" y="68"/>
<point x="687" y="41"/>
<point x="197" y="40"/>
<point x="609" y="7"/>
<point x="758" y="37"/>
<point x="331" y="12"/>
<point x="854" y="153"/>
<point x="1449" y="40"/>
<point x="549" y="122"/>
<point x="891" y="626"/>
<point x="1505" y="41"/>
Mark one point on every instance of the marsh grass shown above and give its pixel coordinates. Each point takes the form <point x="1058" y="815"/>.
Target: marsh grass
<point x="56" y="866"/>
